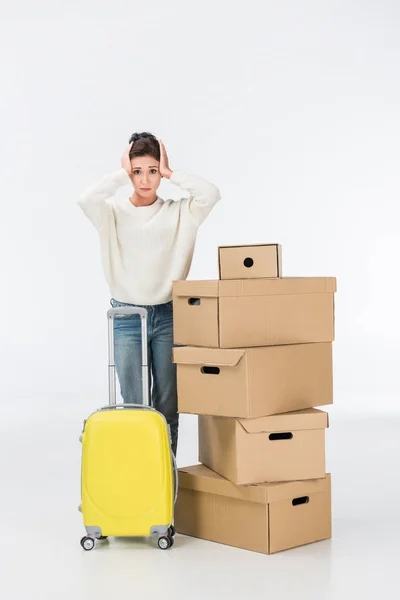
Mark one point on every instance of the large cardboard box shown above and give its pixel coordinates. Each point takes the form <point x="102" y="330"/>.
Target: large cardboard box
<point x="264" y="518"/>
<point x="254" y="312"/>
<point x="250" y="262"/>
<point x="286" y="447"/>
<point x="253" y="382"/>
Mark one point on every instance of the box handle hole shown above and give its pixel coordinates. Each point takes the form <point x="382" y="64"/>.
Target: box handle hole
<point x="302" y="500"/>
<point x="248" y="262"/>
<point x="210" y="370"/>
<point x="286" y="435"/>
<point x="194" y="301"/>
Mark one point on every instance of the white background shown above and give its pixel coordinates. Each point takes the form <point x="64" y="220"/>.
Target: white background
<point x="291" y="108"/>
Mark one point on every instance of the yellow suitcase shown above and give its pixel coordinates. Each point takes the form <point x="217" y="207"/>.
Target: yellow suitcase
<point x="129" y="475"/>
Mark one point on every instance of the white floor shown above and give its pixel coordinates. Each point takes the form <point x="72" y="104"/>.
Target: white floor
<point x="41" y="558"/>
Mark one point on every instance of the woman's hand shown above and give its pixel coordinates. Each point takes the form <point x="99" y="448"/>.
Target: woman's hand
<point x="165" y="171"/>
<point x="126" y="161"/>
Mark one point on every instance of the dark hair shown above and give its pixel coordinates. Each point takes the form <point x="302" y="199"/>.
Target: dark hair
<point x="144" y="144"/>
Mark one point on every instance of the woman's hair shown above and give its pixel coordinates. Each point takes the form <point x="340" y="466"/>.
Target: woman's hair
<point x="144" y="144"/>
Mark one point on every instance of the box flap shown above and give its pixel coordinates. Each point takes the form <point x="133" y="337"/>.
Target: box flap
<point x="189" y="355"/>
<point x="202" y="479"/>
<point x="308" y="419"/>
<point x="188" y="288"/>
<point x="283" y="285"/>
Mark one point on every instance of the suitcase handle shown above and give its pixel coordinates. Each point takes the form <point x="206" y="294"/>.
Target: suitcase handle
<point x="112" y="387"/>
<point x="112" y="384"/>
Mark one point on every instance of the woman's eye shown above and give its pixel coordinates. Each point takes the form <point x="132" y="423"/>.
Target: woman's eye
<point x="152" y="171"/>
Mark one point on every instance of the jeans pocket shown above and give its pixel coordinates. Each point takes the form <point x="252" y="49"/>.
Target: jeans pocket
<point x="117" y="304"/>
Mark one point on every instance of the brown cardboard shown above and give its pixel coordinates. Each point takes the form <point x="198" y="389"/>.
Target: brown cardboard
<point x="264" y="518"/>
<point x="250" y="262"/>
<point x="253" y="382"/>
<point x="254" y="312"/>
<point x="287" y="447"/>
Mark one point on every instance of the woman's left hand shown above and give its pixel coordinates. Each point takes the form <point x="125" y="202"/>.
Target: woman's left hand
<point x="165" y="171"/>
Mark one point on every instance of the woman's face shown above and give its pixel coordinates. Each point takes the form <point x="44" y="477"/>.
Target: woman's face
<point x="145" y="175"/>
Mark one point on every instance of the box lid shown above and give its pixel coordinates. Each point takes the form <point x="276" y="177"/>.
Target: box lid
<point x="202" y="479"/>
<point x="311" y="418"/>
<point x="249" y="245"/>
<point x="254" y="287"/>
<point x="192" y="288"/>
<point x="188" y="355"/>
<point x="271" y="287"/>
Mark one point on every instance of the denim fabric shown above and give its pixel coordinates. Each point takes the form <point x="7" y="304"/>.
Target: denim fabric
<point x="162" y="375"/>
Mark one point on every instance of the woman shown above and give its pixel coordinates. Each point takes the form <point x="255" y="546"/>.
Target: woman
<point x="147" y="243"/>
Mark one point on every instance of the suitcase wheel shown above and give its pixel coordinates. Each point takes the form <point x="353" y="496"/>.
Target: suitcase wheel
<point x="87" y="543"/>
<point x="165" y="542"/>
<point x="171" y="531"/>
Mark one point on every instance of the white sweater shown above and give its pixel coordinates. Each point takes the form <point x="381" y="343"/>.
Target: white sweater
<point x="144" y="249"/>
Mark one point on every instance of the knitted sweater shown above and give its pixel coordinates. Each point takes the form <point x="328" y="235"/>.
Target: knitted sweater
<point x="144" y="249"/>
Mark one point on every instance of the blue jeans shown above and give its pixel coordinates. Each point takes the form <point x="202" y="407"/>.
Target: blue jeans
<point x="128" y="355"/>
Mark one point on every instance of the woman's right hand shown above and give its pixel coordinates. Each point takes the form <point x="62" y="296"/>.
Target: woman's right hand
<point x="126" y="161"/>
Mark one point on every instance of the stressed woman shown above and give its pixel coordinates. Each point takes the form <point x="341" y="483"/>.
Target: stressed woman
<point x="147" y="243"/>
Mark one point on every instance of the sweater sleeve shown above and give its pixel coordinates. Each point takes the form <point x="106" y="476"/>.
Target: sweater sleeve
<point x="93" y="199"/>
<point x="203" y="194"/>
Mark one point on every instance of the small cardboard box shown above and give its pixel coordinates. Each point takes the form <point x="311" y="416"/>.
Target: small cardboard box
<point x="254" y="312"/>
<point x="264" y="518"/>
<point x="253" y="382"/>
<point x="250" y="262"/>
<point x="288" y="447"/>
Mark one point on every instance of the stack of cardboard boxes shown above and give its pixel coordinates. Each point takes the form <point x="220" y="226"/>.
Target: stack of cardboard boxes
<point x="254" y="357"/>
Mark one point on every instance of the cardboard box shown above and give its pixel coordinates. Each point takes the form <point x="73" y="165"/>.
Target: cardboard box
<point x="286" y="447"/>
<point x="250" y="262"/>
<point x="254" y="312"/>
<point x="264" y="518"/>
<point x="253" y="382"/>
